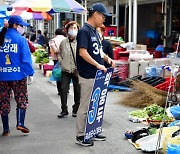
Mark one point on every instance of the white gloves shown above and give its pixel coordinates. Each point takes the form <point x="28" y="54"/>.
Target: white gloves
<point x="29" y="80"/>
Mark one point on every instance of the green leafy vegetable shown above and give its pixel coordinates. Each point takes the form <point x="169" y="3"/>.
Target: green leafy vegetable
<point x="151" y="112"/>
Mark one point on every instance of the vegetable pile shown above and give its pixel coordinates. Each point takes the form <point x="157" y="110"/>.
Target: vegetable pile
<point x="152" y="112"/>
<point x="41" y="56"/>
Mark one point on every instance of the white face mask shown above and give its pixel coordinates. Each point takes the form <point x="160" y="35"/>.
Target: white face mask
<point x="73" y="33"/>
<point x="20" y="30"/>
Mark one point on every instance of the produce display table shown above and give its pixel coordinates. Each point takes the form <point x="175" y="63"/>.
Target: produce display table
<point x="115" y="42"/>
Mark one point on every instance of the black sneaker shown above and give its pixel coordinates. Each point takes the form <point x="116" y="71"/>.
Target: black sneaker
<point x="62" y="114"/>
<point x="80" y="141"/>
<point x="99" y="138"/>
<point x="74" y="114"/>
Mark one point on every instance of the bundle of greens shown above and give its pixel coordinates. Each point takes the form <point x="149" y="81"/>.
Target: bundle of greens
<point x="151" y="112"/>
<point x="41" y="56"/>
<point x="139" y="114"/>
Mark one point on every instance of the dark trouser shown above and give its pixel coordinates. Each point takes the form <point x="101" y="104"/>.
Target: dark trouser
<point x="58" y="83"/>
<point x="19" y="88"/>
<point x="66" y="79"/>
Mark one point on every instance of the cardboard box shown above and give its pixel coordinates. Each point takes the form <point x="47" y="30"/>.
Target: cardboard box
<point x="141" y="47"/>
<point x="133" y="69"/>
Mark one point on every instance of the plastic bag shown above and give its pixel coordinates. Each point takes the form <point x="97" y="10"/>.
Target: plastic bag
<point x="173" y="149"/>
<point x="175" y="123"/>
<point x="152" y="71"/>
<point x="175" y="111"/>
<point x="167" y="131"/>
<point x="56" y="73"/>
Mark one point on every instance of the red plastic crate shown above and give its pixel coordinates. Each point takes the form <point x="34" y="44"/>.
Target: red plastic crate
<point x="121" y="69"/>
<point x="47" y="67"/>
<point x="165" y="85"/>
<point x="123" y="56"/>
<point x="117" y="52"/>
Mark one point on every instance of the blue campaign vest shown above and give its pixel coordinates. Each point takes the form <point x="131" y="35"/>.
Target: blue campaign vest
<point x="15" y="57"/>
<point x="88" y="38"/>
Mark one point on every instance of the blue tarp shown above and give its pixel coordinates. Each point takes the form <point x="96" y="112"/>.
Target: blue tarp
<point x="120" y="88"/>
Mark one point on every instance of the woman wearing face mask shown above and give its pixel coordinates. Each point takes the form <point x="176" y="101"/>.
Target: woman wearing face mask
<point x="15" y="67"/>
<point x="69" y="72"/>
<point x="107" y="47"/>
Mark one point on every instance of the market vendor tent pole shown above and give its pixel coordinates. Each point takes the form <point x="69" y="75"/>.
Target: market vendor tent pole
<point x="125" y="22"/>
<point x="135" y="22"/>
<point x="85" y="16"/>
<point x="117" y="17"/>
<point x="82" y="16"/>
<point x="165" y="21"/>
<point x="130" y="21"/>
<point x="75" y="17"/>
<point x="57" y="20"/>
<point x="134" y="25"/>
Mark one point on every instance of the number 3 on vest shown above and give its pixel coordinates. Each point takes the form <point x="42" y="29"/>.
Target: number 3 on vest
<point x="96" y="48"/>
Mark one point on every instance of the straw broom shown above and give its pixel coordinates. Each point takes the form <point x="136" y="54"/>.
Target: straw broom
<point x="144" y="95"/>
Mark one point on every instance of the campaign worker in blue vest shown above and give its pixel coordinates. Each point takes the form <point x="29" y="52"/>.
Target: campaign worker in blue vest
<point x="90" y="58"/>
<point x="15" y="68"/>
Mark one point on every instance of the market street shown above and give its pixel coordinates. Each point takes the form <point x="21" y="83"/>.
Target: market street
<point x="50" y="135"/>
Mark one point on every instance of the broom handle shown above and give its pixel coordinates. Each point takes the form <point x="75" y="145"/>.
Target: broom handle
<point x="163" y="120"/>
<point x="161" y="125"/>
<point x="177" y="48"/>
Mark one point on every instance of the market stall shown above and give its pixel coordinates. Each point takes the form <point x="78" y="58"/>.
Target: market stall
<point x="155" y="88"/>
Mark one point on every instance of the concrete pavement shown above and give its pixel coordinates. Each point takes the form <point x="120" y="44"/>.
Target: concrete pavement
<point x="50" y="135"/>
